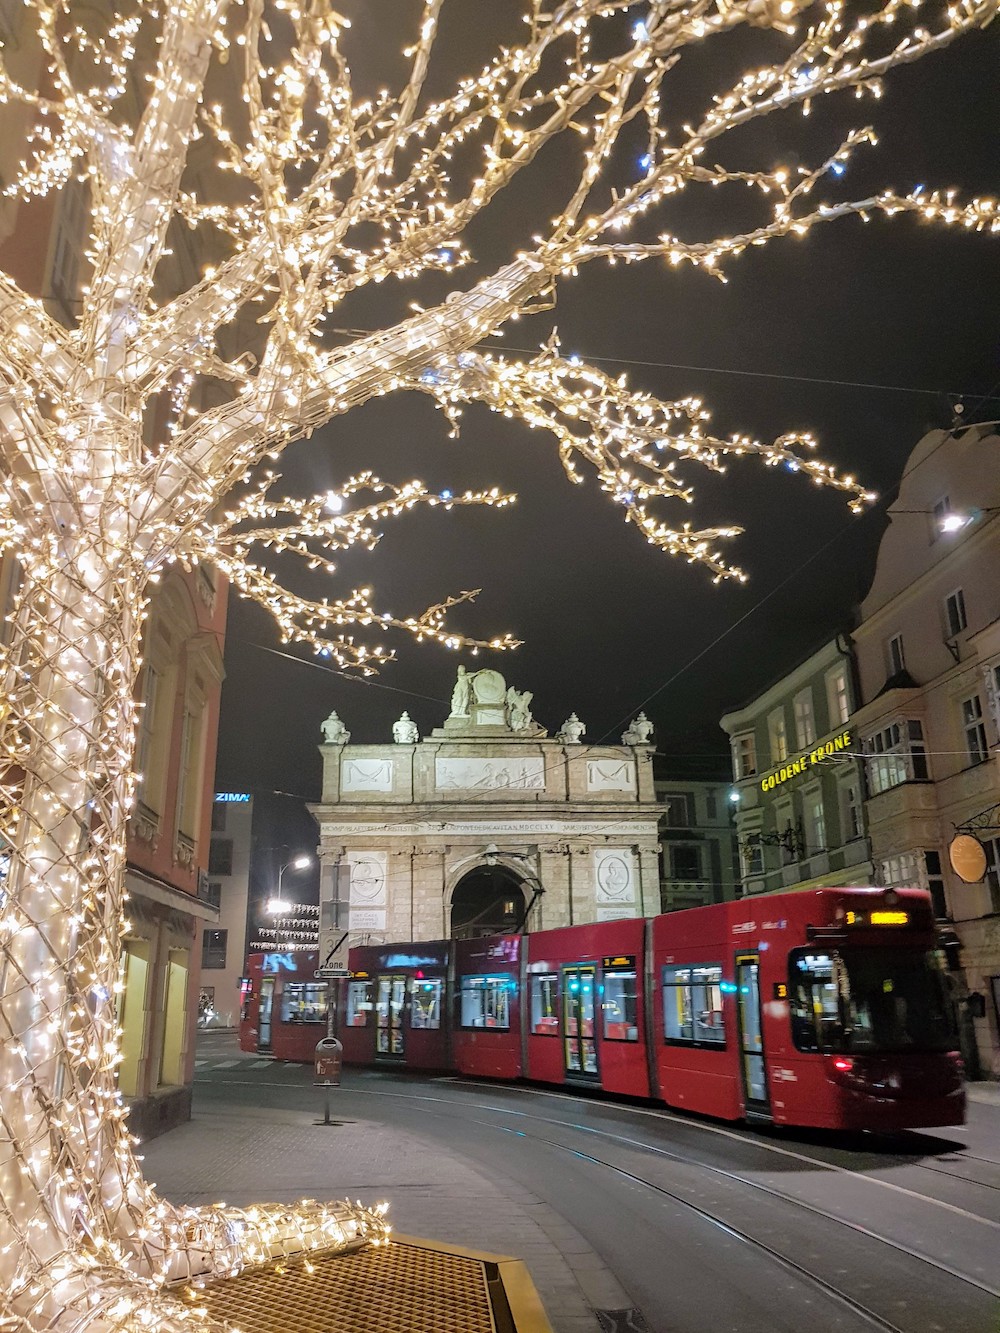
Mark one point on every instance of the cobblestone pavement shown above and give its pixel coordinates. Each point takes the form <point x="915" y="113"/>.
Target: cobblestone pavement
<point x="241" y="1151"/>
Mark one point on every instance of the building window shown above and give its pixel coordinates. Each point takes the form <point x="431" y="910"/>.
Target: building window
<point x="189" y="775"/>
<point x="954" y="612"/>
<point x="850" y="810"/>
<point x="752" y="855"/>
<point x="894" y="651"/>
<point x="744" y="756"/>
<point x="805" y="723"/>
<point x="685" y="863"/>
<point x="711" y="806"/>
<point x="213" y="893"/>
<point x="777" y="735"/>
<point x="975" y="731"/>
<point x="896" y="754"/>
<point x="219" y="809"/>
<point x="678" y="809"/>
<point x="220" y="856"/>
<point x="903" y="871"/>
<point x="991" y="674"/>
<point x="992" y="849"/>
<point x="935" y="884"/>
<point x="838" y="699"/>
<point x="814" y="820"/>
<point x="213" y="948"/>
<point x="941" y="510"/>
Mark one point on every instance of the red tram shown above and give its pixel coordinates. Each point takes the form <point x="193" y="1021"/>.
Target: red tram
<point x="826" y="1008"/>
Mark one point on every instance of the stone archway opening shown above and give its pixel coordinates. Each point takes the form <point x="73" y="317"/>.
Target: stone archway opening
<point x="488" y="900"/>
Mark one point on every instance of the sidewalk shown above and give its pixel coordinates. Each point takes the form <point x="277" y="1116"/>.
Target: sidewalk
<point x="252" y="1154"/>
<point x="987" y="1092"/>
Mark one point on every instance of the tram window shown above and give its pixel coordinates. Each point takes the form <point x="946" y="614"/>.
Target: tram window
<point x="425" y="1004"/>
<point x="692" y="1005"/>
<point x="359" y="1004"/>
<point x="304" y="1002"/>
<point x="486" y="1002"/>
<point x="619" y="1006"/>
<point x="870" y="999"/>
<point x="814" y="1000"/>
<point x="545" y="1005"/>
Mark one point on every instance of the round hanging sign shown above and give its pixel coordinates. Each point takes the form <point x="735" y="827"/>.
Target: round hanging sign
<point x="968" y="857"/>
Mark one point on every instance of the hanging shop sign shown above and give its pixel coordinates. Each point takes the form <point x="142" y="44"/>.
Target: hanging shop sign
<point x="803" y="763"/>
<point x="968" y="857"/>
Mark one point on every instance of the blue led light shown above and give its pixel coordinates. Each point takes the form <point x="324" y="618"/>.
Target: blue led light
<point x="646" y="161"/>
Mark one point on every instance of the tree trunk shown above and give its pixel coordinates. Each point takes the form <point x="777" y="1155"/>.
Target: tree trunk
<point x="66" y="1172"/>
<point x="85" y="1243"/>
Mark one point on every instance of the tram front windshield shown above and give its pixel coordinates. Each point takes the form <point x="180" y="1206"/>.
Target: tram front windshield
<point x="858" y="1000"/>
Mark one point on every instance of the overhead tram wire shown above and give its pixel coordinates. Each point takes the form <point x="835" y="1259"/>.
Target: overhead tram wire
<point x="724" y="370"/>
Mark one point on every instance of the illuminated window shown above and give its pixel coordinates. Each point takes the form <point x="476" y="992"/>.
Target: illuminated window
<point x="545" y="1005"/>
<point x="744" y="756"/>
<point x="814" y="820"/>
<point x="838" y="699"/>
<point x="619" y="1006"/>
<point x="692" y="1005"/>
<point x="359" y="1003"/>
<point x="752" y="855"/>
<point x="777" y="735"/>
<point x="901" y="871"/>
<point x="896" y="754"/>
<point x="486" y="1002"/>
<point x="425" y="1002"/>
<point x="304" y="1002"/>
<point x="941" y="510"/>
<point x="975" y="731"/>
<point x="805" y="724"/>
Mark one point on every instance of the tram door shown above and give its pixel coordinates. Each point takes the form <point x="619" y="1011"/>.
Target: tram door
<point x="751" y="1034"/>
<point x="580" y="1049"/>
<point x="264" y="1013"/>
<point x="390" y="993"/>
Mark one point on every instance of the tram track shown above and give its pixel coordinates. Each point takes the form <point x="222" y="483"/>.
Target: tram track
<point x="870" y="1317"/>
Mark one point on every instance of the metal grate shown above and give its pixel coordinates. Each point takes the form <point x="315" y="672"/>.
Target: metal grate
<point x="397" y="1288"/>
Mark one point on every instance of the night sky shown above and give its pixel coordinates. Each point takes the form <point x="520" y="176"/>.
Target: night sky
<point x="863" y="334"/>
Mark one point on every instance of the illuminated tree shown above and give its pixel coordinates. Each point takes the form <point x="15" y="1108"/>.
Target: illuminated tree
<point x="134" y="438"/>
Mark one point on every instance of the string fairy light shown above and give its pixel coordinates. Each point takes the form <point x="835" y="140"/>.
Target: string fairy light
<point x="140" y="433"/>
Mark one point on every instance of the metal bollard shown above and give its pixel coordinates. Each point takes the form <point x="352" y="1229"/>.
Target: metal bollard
<point x="327" y="1062"/>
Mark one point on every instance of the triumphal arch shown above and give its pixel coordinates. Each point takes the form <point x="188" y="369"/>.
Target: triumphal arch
<point x="488" y="824"/>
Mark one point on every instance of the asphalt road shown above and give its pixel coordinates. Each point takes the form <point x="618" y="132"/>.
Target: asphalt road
<point x="709" y="1226"/>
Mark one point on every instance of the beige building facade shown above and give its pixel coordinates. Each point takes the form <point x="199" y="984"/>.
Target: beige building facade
<point x="489" y="824"/>
<point x="928" y="655"/>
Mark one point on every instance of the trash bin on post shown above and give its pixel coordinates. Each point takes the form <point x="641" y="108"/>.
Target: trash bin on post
<point x="327" y="1061"/>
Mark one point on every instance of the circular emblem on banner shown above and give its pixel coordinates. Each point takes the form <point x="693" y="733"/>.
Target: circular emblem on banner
<point x="968" y="857"/>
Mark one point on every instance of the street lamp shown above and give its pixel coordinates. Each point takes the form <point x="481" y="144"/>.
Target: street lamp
<point x="277" y="905"/>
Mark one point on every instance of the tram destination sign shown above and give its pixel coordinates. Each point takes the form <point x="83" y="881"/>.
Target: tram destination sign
<point x="610" y="962"/>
